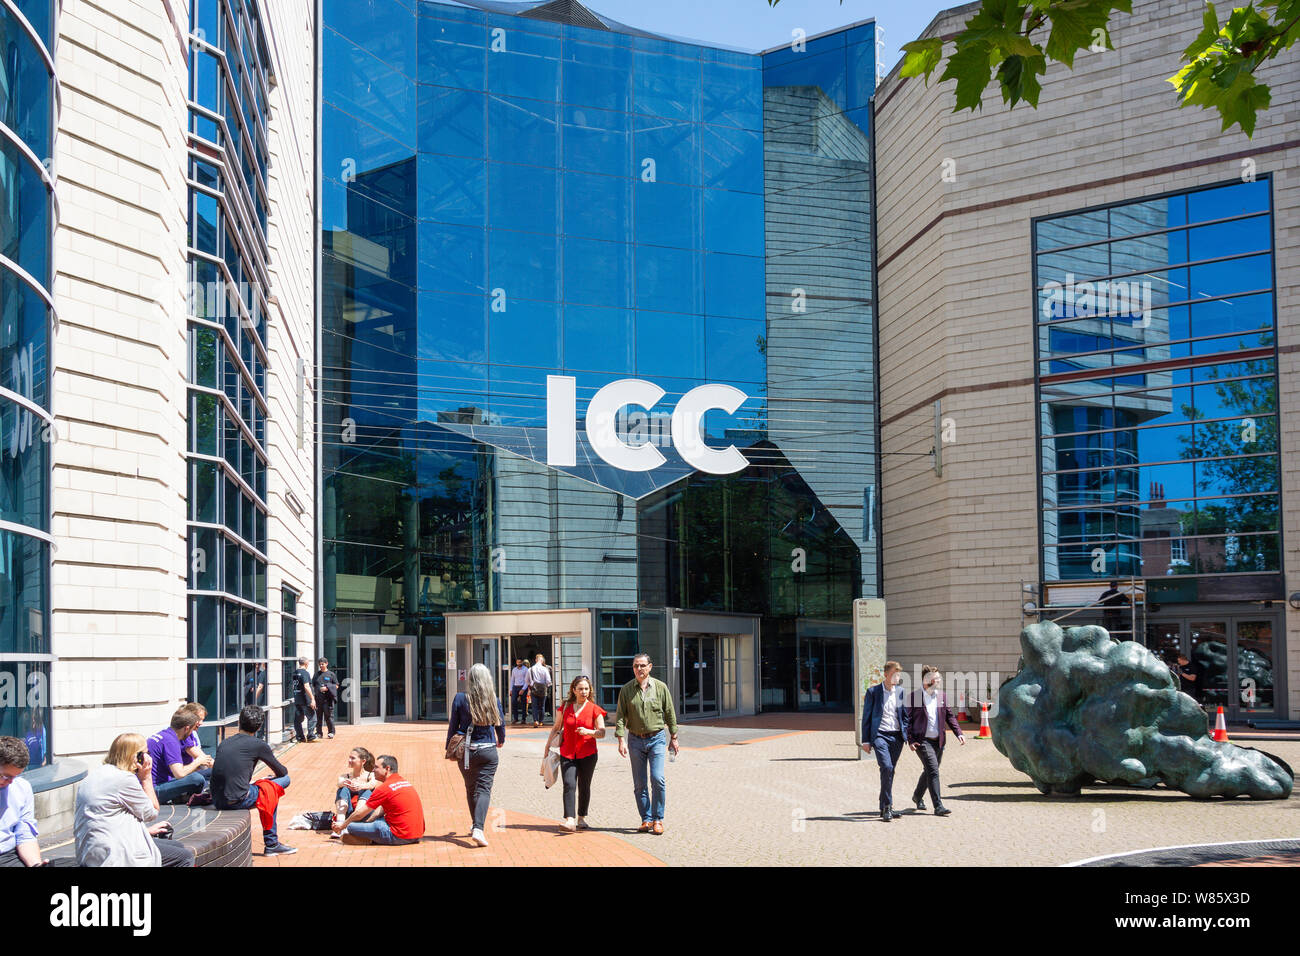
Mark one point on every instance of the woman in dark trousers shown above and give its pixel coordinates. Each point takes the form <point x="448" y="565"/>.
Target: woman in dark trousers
<point x="479" y="716"/>
<point x="578" y="724"/>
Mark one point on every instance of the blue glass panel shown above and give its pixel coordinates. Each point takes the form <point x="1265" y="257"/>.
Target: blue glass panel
<point x="1234" y="275"/>
<point x="732" y="158"/>
<point x="669" y="280"/>
<point x="24" y="466"/>
<point x="667" y="86"/>
<point x="1241" y="315"/>
<point x="359" y="83"/>
<point x="733" y="96"/>
<point x="825" y="71"/>
<point x="350" y="145"/>
<point x="1224" y="201"/>
<point x="452" y="258"/>
<point x="453" y="53"/>
<point x="861" y="78"/>
<point x="733" y="57"/>
<point x="26" y="224"/>
<point x="655" y="45"/>
<point x="443" y="11"/>
<point x="452" y="189"/>
<point x="598" y="340"/>
<point x="735" y="352"/>
<point x="528" y="65"/>
<point x="524" y="265"/>
<point x="733" y="222"/>
<point x="385" y="28"/>
<point x="24" y="340"/>
<point x="597" y="141"/>
<point x="453" y="121"/>
<point x="522" y="129"/>
<point x="667" y="215"/>
<point x="527" y="333"/>
<point x="1229" y="238"/>
<point x="598" y="207"/>
<point x="674" y="147"/>
<point x="24" y="629"/>
<point x="523" y="197"/>
<point x="669" y="344"/>
<point x="40" y="14"/>
<point x="597" y="273"/>
<point x="733" y="286"/>
<point x="598" y="76"/>
<point x="453" y="328"/>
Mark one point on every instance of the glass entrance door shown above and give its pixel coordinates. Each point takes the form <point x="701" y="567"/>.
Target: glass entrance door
<point x="1254" y="657"/>
<point x="384" y="683"/>
<point x="699" y="676"/>
<point x="1235" y="655"/>
<point x="371" y="691"/>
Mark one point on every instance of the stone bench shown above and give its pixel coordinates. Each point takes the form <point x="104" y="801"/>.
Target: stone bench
<point x="217" y="837"/>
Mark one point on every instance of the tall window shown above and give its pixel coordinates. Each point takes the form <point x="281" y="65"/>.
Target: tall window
<point x="1157" y="378"/>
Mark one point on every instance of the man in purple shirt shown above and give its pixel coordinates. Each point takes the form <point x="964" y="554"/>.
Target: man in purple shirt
<point x="175" y="780"/>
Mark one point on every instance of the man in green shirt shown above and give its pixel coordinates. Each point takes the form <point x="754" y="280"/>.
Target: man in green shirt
<point x="646" y="723"/>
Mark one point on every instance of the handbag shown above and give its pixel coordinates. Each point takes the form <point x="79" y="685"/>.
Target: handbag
<point x="456" y="746"/>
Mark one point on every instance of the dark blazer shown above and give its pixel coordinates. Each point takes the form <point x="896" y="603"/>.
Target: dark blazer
<point x="873" y="708"/>
<point x="917" y="719"/>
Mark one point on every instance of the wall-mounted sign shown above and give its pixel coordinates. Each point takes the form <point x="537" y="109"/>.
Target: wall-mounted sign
<point x="622" y="450"/>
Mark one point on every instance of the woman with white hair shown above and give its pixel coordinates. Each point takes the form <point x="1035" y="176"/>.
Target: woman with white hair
<point x="115" y="805"/>
<point x="478" y="715"/>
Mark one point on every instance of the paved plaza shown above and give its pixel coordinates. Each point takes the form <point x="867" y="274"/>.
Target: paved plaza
<point x="758" y="793"/>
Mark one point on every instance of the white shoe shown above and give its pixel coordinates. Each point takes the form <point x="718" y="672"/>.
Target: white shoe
<point x="569" y="824"/>
<point x="478" y="838"/>
<point x="582" y="823"/>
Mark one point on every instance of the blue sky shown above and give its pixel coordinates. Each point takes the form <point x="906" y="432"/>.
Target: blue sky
<point x="753" y="25"/>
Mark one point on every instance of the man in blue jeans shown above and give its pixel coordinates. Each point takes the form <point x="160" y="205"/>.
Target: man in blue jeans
<point x="646" y="724"/>
<point x="232" y="777"/>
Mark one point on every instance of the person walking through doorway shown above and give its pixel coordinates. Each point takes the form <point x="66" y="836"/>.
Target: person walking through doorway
<point x="539" y="685"/>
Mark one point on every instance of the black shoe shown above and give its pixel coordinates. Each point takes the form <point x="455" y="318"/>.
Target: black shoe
<point x="941" y="811"/>
<point x="920" y="804"/>
<point x="887" y="815"/>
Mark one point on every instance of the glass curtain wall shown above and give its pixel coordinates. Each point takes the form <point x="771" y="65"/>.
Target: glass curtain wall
<point x="228" y="113"/>
<point x="507" y="198"/>
<point x="28" y="120"/>
<point x="1157" y="382"/>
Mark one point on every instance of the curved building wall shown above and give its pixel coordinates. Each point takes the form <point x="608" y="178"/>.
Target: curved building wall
<point x="28" y="216"/>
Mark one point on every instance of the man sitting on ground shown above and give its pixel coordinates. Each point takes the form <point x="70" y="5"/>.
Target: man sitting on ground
<point x="393" y="813"/>
<point x="232" y="778"/>
<point x="176" y="776"/>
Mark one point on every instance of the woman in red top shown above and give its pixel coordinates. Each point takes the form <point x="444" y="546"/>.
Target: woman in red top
<point x="578" y="724"/>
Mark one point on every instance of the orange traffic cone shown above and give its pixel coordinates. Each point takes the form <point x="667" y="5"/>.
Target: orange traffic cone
<point x="986" y="733"/>
<point x="1220" y="728"/>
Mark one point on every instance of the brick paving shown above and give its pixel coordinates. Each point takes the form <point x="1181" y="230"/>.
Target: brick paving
<point x="514" y="838"/>
<point x="756" y="794"/>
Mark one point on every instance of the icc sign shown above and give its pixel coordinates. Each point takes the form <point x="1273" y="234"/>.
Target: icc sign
<point x="603" y="434"/>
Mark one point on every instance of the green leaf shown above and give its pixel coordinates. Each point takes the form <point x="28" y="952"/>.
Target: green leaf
<point x="1018" y="76"/>
<point x="1241" y="103"/>
<point x="921" y="57"/>
<point x="1208" y="36"/>
<point x="972" y="68"/>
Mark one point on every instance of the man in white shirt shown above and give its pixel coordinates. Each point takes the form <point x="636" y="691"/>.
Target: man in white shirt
<point x="926" y="732"/>
<point x="539" y="685"/>
<point x="518" y="691"/>
<point x="884" y="719"/>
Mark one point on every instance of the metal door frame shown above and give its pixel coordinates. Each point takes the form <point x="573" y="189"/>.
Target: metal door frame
<point x="381" y="643"/>
<point x="1230" y="615"/>
<point x="717" y="676"/>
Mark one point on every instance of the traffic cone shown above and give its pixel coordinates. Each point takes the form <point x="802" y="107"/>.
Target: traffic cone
<point x="1220" y="728"/>
<point x="986" y="732"/>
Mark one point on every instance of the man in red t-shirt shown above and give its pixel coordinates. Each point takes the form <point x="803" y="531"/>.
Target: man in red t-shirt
<point x="391" y="816"/>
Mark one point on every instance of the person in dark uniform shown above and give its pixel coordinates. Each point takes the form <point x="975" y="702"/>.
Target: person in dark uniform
<point x="1112" y="601"/>
<point x="326" y="686"/>
<point x="304" y="703"/>
<point x="1191" y="679"/>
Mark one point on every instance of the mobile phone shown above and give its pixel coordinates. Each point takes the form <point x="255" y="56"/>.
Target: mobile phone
<point x="139" y="758"/>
